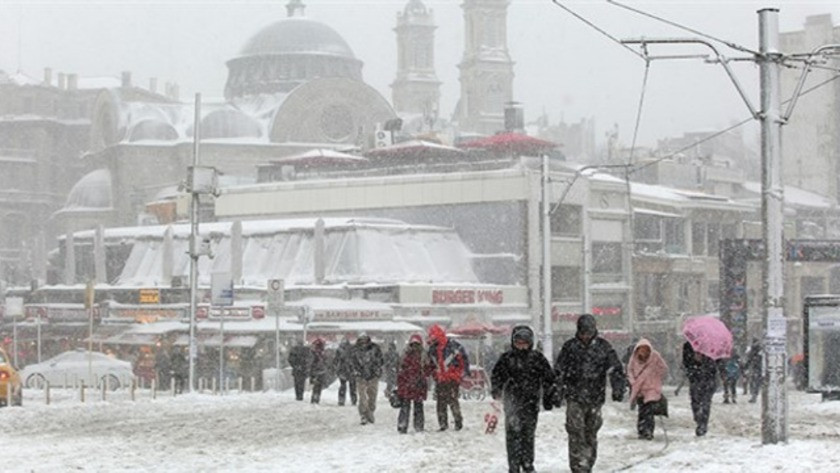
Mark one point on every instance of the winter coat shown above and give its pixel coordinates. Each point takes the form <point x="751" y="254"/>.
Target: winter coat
<point x="448" y="357"/>
<point x="732" y="368"/>
<point x="299" y="360"/>
<point x="646" y="377"/>
<point x="366" y="360"/>
<point x="318" y="367"/>
<point x="341" y="363"/>
<point x="581" y="369"/>
<point x="519" y="376"/>
<point x="754" y="360"/>
<point x="415" y="368"/>
<point x="180" y="365"/>
<point x="700" y="370"/>
<point x="392" y="363"/>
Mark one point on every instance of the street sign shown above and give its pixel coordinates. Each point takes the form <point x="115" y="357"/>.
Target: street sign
<point x="150" y="296"/>
<point x="221" y="289"/>
<point x="14" y="306"/>
<point x="275" y="296"/>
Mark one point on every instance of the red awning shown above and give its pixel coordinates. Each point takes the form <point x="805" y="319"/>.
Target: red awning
<point x="510" y="142"/>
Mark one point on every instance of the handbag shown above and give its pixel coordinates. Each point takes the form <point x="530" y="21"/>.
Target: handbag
<point x="394" y="399"/>
<point x="660" y="407"/>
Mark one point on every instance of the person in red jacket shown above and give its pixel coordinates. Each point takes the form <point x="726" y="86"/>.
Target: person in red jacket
<point x="450" y="363"/>
<point x="413" y="384"/>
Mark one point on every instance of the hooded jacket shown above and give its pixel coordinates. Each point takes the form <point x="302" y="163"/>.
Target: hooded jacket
<point x="520" y="375"/>
<point x="366" y="359"/>
<point x="646" y="377"/>
<point x="414" y="369"/>
<point x="581" y="368"/>
<point x="448" y="357"/>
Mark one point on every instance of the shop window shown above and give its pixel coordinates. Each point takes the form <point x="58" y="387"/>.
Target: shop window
<point x="698" y="239"/>
<point x="565" y="283"/>
<point x="606" y="258"/>
<point x="567" y="220"/>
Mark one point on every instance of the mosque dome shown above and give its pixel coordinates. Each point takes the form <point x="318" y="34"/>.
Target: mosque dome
<point x="288" y="53"/>
<point x="93" y="191"/>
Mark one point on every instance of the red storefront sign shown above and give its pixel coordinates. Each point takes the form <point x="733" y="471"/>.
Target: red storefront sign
<point x="467" y="296"/>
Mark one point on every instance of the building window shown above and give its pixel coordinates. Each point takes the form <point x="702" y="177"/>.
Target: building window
<point x="647" y="231"/>
<point x="674" y="236"/>
<point x="606" y="259"/>
<point x="565" y="283"/>
<point x="567" y="220"/>
<point x="698" y="239"/>
<point x="713" y="238"/>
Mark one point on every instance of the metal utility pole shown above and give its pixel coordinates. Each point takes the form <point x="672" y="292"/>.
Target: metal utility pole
<point x="774" y="393"/>
<point x="193" y="350"/>
<point x="548" y="342"/>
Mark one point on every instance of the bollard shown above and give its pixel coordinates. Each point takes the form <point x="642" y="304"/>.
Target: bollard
<point x="82" y="392"/>
<point x="239" y="382"/>
<point x="253" y="383"/>
<point x="201" y="385"/>
<point x="142" y="383"/>
<point x="213" y="386"/>
<point x="227" y="386"/>
<point x="133" y="388"/>
<point x="172" y="386"/>
<point x="9" y="394"/>
<point x="104" y="387"/>
<point x="154" y="388"/>
<point x="47" y="392"/>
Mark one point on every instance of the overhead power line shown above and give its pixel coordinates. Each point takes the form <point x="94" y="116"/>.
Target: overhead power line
<point x="598" y="29"/>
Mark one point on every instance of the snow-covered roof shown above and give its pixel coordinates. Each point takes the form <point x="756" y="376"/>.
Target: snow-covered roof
<point x="795" y="196"/>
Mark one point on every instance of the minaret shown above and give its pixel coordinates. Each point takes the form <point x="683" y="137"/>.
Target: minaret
<point x="417" y="88"/>
<point x="486" y="69"/>
<point x="295" y="8"/>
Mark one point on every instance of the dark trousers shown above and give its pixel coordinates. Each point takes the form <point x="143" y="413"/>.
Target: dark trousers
<point x="701" y="403"/>
<point x="317" y="383"/>
<point x="342" y="391"/>
<point x="755" y="386"/>
<point x="646" y="423"/>
<point x="730" y="389"/>
<point x="520" y="425"/>
<point x="582" y="425"/>
<point x="300" y="381"/>
<point x="405" y="412"/>
<point x="447" y="396"/>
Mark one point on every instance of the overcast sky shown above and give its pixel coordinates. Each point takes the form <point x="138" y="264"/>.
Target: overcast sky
<point x="562" y="65"/>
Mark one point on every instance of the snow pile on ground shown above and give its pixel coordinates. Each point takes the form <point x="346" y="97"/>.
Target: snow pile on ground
<point x="273" y="432"/>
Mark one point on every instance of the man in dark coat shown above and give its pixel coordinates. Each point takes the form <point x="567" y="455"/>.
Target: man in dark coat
<point x="519" y="376"/>
<point x="179" y="367"/>
<point x="366" y="359"/>
<point x="299" y="361"/>
<point x="752" y="367"/>
<point x="317" y="370"/>
<point x="581" y="371"/>
<point x="344" y="370"/>
<point x="451" y="364"/>
<point x="701" y="372"/>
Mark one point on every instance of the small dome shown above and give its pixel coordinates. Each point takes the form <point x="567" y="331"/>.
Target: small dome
<point x="229" y="123"/>
<point x="415" y="7"/>
<point x="297" y="36"/>
<point x="93" y="191"/>
<point x="152" y="130"/>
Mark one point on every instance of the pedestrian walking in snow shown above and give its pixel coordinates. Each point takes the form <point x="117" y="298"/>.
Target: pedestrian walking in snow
<point x="730" y="374"/>
<point x="299" y="361"/>
<point x="753" y="368"/>
<point x="646" y="371"/>
<point x="581" y="371"/>
<point x="179" y="367"/>
<point x="317" y="370"/>
<point x="413" y="384"/>
<point x="344" y="370"/>
<point x="392" y="364"/>
<point x="450" y="365"/>
<point x="366" y="359"/>
<point x="520" y="378"/>
<point x="701" y="372"/>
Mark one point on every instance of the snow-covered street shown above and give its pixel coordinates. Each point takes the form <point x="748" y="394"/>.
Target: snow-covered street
<point x="272" y="432"/>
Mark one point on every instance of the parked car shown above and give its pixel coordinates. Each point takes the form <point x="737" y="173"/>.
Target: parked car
<point x="72" y="367"/>
<point x="9" y="381"/>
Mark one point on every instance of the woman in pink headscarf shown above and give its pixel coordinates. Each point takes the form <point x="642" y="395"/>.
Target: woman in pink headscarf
<point x="646" y="370"/>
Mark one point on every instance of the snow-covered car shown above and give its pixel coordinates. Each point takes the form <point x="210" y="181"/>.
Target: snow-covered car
<point x="73" y="367"/>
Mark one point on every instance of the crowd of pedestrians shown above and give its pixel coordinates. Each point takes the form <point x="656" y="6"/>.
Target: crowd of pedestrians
<point x="525" y="382"/>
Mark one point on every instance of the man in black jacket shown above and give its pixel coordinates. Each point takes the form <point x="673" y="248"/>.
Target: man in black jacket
<point x="366" y="359"/>
<point x="581" y="372"/>
<point x="518" y="377"/>
<point x="299" y="361"/>
<point x="701" y="372"/>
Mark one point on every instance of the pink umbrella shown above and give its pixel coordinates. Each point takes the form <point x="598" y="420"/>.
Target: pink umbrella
<point x="709" y="336"/>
